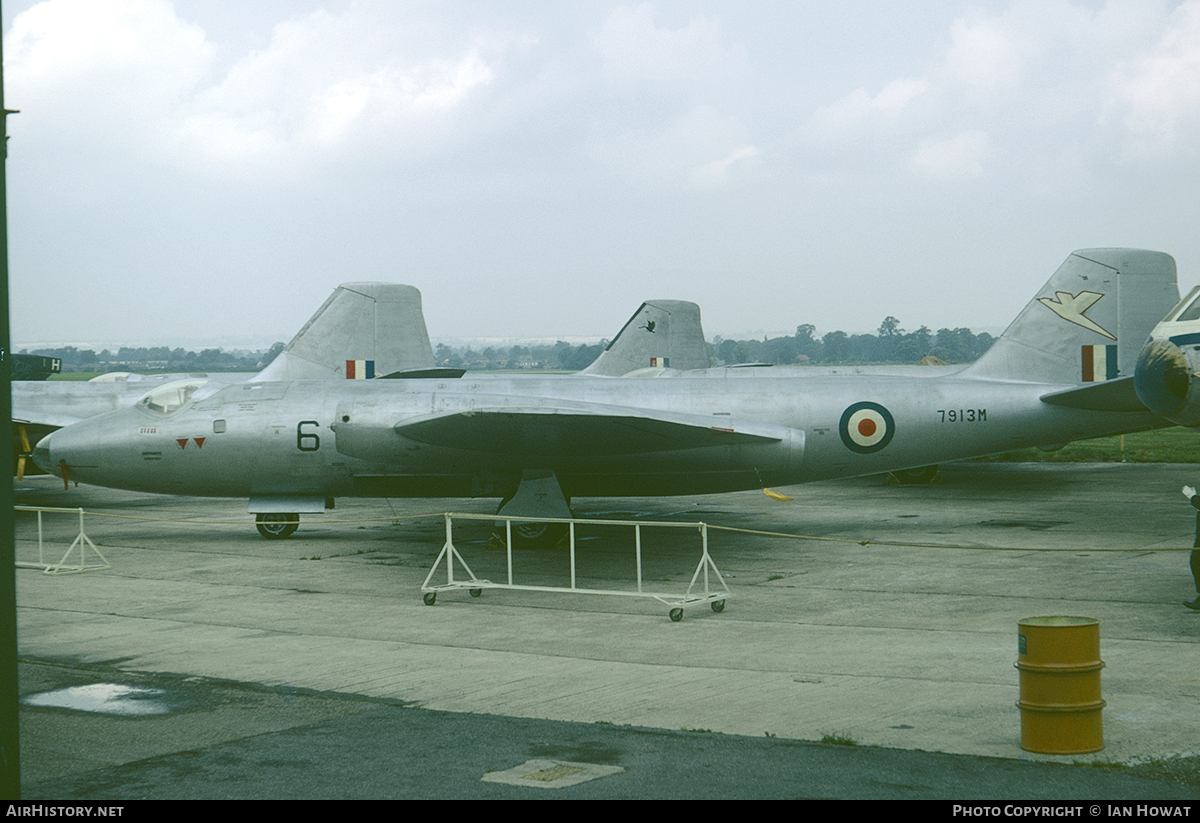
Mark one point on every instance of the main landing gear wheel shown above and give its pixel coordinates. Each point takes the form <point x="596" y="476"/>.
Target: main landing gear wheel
<point x="537" y="535"/>
<point x="718" y="606"/>
<point x="275" y="526"/>
<point x="676" y="615"/>
<point x="916" y="477"/>
<point x="430" y="598"/>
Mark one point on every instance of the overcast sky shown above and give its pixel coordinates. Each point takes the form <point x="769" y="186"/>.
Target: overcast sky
<point x="207" y="170"/>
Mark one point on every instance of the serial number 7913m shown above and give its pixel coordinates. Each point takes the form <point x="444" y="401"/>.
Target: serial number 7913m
<point x="963" y="415"/>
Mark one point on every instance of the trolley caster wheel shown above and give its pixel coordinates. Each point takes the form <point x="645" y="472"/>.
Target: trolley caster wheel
<point x="676" y="615"/>
<point x="476" y="592"/>
<point x="718" y="606"/>
<point x="430" y="598"/>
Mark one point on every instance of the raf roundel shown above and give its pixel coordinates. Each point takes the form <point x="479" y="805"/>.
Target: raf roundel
<point x="866" y="427"/>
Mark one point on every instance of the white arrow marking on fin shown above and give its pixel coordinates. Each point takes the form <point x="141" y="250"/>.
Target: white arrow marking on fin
<point x="1070" y="307"/>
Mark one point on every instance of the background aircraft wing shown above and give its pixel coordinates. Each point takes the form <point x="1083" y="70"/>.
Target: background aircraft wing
<point x="46" y="418"/>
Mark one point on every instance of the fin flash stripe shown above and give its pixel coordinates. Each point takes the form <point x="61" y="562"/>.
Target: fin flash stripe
<point x="360" y="369"/>
<point x="1099" y="363"/>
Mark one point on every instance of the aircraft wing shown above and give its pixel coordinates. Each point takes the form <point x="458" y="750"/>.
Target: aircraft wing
<point x="580" y="429"/>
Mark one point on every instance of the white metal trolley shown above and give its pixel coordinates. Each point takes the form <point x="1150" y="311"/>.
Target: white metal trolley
<point x="700" y="590"/>
<point x="82" y="543"/>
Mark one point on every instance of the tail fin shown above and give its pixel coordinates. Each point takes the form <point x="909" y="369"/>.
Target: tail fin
<point x="661" y="334"/>
<point x="362" y="330"/>
<point x="1089" y="322"/>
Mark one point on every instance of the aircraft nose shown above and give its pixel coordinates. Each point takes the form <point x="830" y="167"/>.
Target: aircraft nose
<point x="1162" y="377"/>
<point x="63" y="451"/>
<point x="41" y="456"/>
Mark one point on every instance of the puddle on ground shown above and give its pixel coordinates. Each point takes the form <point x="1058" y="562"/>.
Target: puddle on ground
<point x="105" y="698"/>
<point x="1026" y="524"/>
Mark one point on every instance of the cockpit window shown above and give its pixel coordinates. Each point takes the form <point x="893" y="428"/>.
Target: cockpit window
<point x="1192" y="312"/>
<point x="168" y="398"/>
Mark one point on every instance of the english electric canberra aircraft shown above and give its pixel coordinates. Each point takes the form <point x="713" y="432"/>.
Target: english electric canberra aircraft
<point x="293" y="446"/>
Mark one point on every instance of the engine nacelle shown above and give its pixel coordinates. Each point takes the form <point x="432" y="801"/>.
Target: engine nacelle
<point x="1167" y="376"/>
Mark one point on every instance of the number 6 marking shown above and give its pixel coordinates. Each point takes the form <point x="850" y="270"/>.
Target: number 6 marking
<point x="307" y="441"/>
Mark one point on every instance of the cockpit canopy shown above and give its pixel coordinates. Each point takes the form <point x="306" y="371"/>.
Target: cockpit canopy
<point x="169" y="398"/>
<point x="1188" y="308"/>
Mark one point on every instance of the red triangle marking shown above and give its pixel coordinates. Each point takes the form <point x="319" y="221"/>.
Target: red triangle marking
<point x="182" y="442"/>
<point x="199" y="442"/>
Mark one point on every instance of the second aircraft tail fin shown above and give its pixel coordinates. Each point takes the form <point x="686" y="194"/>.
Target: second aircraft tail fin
<point x="363" y="330"/>
<point x="1089" y="322"/>
<point x="662" y="334"/>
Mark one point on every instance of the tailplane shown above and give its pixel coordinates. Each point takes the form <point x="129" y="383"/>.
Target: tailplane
<point x="1088" y="323"/>
<point x="363" y="330"/>
<point x="662" y="334"/>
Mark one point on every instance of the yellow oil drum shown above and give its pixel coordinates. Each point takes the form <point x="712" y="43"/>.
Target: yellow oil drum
<point x="1059" y="661"/>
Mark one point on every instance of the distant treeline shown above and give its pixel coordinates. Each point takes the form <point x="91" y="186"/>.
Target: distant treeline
<point x="560" y="356"/>
<point x="891" y="344"/>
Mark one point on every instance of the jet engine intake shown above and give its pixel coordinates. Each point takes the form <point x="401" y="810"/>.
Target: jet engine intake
<point x="1165" y="380"/>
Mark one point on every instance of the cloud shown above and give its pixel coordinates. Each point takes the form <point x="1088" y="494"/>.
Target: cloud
<point x="721" y="171"/>
<point x="261" y="149"/>
<point x="1157" y="92"/>
<point x="988" y="53"/>
<point x="699" y="148"/>
<point x="668" y="90"/>
<point x="1038" y="88"/>
<point x="963" y="155"/>
<point x="859" y="111"/>
<point x="632" y="46"/>
<point x="107" y="65"/>
<point x="135" y="74"/>
<point x="315" y="90"/>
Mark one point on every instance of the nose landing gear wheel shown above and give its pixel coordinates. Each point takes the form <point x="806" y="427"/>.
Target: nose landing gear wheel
<point x="676" y="615"/>
<point x="276" y="526"/>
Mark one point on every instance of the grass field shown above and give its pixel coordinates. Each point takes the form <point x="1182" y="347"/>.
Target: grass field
<point x="1173" y="445"/>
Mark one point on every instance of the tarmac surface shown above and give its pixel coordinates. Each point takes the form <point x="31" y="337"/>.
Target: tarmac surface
<point x="311" y="668"/>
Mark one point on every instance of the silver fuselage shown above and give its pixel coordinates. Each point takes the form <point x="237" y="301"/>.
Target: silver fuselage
<point x="340" y="438"/>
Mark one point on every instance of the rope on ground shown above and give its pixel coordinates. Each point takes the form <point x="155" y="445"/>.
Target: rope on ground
<point x="950" y="546"/>
<point x="711" y="527"/>
<point x="243" y="522"/>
